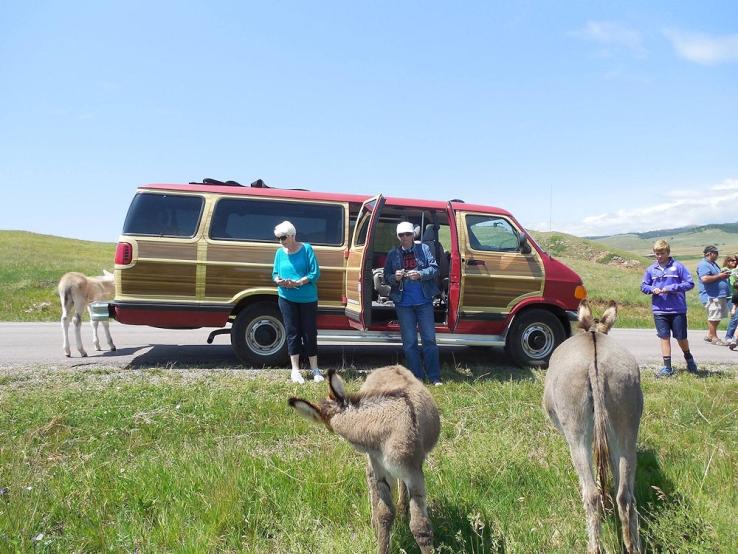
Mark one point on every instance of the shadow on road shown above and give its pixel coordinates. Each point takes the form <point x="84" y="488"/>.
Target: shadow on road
<point x="457" y="363"/>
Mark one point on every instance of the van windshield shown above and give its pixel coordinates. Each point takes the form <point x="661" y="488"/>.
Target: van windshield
<point x="163" y="215"/>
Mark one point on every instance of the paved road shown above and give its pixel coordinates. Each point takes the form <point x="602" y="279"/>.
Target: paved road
<point x="34" y="344"/>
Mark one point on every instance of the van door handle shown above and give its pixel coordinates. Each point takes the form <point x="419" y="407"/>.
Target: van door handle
<point x="475" y="262"/>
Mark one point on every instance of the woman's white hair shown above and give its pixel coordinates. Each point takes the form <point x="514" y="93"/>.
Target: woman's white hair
<point x="285" y="228"/>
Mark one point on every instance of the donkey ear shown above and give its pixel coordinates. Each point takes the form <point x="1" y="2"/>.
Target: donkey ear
<point x="337" y="386"/>
<point x="608" y="318"/>
<point x="306" y="409"/>
<point x="584" y="314"/>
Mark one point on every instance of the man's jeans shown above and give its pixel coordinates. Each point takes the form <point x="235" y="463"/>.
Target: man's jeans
<point x="412" y="319"/>
<point x="732" y="325"/>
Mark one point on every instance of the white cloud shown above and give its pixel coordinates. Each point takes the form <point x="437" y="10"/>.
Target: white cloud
<point x="704" y="49"/>
<point x="712" y="204"/>
<point x="612" y="35"/>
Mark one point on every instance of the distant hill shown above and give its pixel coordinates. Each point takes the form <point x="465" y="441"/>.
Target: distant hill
<point x="567" y="246"/>
<point x="685" y="241"/>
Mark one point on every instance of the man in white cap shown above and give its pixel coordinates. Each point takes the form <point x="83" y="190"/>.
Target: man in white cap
<point x="411" y="271"/>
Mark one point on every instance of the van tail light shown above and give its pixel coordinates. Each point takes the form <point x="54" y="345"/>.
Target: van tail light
<point x="123" y="253"/>
<point x="580" y="293"/>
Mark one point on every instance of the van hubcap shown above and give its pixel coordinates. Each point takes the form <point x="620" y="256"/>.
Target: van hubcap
<point x="538" y="340"/>
<point x="265" y="335"/>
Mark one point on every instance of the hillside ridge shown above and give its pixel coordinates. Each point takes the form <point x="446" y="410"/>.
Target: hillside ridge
<point x="726" y="227"/>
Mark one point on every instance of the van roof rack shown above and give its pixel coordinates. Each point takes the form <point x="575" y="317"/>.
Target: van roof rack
<point x="216" y="182"/>
<point x="456" y="200"/>
<point x="258" y="184"/>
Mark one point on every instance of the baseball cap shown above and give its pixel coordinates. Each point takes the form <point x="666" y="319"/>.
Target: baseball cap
<point x="405" y="227"/>
<point x="710" y="248"/>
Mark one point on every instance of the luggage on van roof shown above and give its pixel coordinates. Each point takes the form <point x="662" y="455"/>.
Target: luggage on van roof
<point x="258" y="184"/>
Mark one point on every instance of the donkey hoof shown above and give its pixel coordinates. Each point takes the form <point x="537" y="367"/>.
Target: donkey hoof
<point x="83" y="354"/>
<point x="113" y="349"/>
<point x="67" y="354"/>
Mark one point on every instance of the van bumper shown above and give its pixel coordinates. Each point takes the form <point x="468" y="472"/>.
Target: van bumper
<point x="170" y="315"/>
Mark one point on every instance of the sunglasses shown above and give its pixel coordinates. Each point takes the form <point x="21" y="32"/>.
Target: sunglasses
<point x="405" y="234"/>
<point x="283" y="237"/>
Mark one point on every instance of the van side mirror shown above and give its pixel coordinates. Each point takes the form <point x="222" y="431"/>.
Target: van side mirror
<point x="523" y="244"/>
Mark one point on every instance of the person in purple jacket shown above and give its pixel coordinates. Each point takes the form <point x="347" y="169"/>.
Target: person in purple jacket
<point x="666" y="280"/>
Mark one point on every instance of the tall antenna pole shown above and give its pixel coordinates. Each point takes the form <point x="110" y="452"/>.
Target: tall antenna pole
<point x="550" y="205"/>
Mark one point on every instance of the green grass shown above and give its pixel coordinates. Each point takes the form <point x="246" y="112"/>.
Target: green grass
<point x="31" y="266"/>
<point x="161" y="461"/>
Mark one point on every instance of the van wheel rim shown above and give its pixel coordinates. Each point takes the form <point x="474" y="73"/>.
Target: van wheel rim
<point x="265" y="335"/>
<point x="537" y="341"/>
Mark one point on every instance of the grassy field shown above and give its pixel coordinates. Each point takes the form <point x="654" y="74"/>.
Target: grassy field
<point x="617" y="275"/>
<point x="207" y="460"/>
<point x="214" y="461"/>
<point x="31" y="266"/>
<point x="684" y="243"/>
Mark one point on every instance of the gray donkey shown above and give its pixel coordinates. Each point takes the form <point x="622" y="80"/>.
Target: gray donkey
<point x="593" y="396"/>
<point x="394" y="420"/>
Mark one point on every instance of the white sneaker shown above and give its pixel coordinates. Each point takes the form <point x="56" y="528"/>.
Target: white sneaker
<point x="297" y="377"/>
<point x="317" y="377"/>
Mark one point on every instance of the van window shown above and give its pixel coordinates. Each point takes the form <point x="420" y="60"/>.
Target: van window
<point x="254" y="220"/>
<point x="167" y="215"/>
<point x="491" y="233"/>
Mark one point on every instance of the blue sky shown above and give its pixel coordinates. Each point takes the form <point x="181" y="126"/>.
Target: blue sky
<point x="584" y="117"/>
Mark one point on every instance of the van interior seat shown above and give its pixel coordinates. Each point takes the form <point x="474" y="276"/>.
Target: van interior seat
<point x="430" y="237"/>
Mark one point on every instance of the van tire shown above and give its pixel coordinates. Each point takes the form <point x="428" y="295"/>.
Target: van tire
<point x="258" y="336"/>
<point x="533" y="337"/>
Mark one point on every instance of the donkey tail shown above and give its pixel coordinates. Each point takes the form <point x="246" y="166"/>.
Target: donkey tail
<point x="601" y="447"/>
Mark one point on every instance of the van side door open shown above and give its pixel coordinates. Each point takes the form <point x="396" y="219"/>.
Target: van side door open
<point x="359" y="282"/>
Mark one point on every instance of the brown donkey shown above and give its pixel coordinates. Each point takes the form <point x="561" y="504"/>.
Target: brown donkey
<point x="76" y="292"/>
<point x="593" y="396"/>
<point x="394" y="420"/>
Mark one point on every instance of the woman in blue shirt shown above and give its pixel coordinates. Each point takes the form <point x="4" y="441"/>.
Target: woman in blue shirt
<point x="295" y="272"/>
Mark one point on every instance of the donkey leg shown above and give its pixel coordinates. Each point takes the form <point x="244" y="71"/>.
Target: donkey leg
<point x="383" y="513"/>
<point x="65" y="330"/>
<point x="371" y="482"/>
<point x="402" y="499"/>
<point x="77" y="322"/>
<point x="108" y="337"/>
<point x="419" y="521"/>
<point x="581" y="456"/>
<point x="626" y="501"/>
<point x="95" y="339"/>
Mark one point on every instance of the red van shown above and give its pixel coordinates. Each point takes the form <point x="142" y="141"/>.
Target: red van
<point x="200" y="255"/>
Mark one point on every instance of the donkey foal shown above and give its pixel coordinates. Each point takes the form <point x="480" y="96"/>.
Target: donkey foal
<point x="76" y="292"/>
<point x="394" y="420"/>
<point x="593" y="396"/>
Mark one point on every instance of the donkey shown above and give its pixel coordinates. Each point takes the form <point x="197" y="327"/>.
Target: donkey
<point x="593" y="396"/>
<point x="394" y="420"/>
<point x="76" y="291"/>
